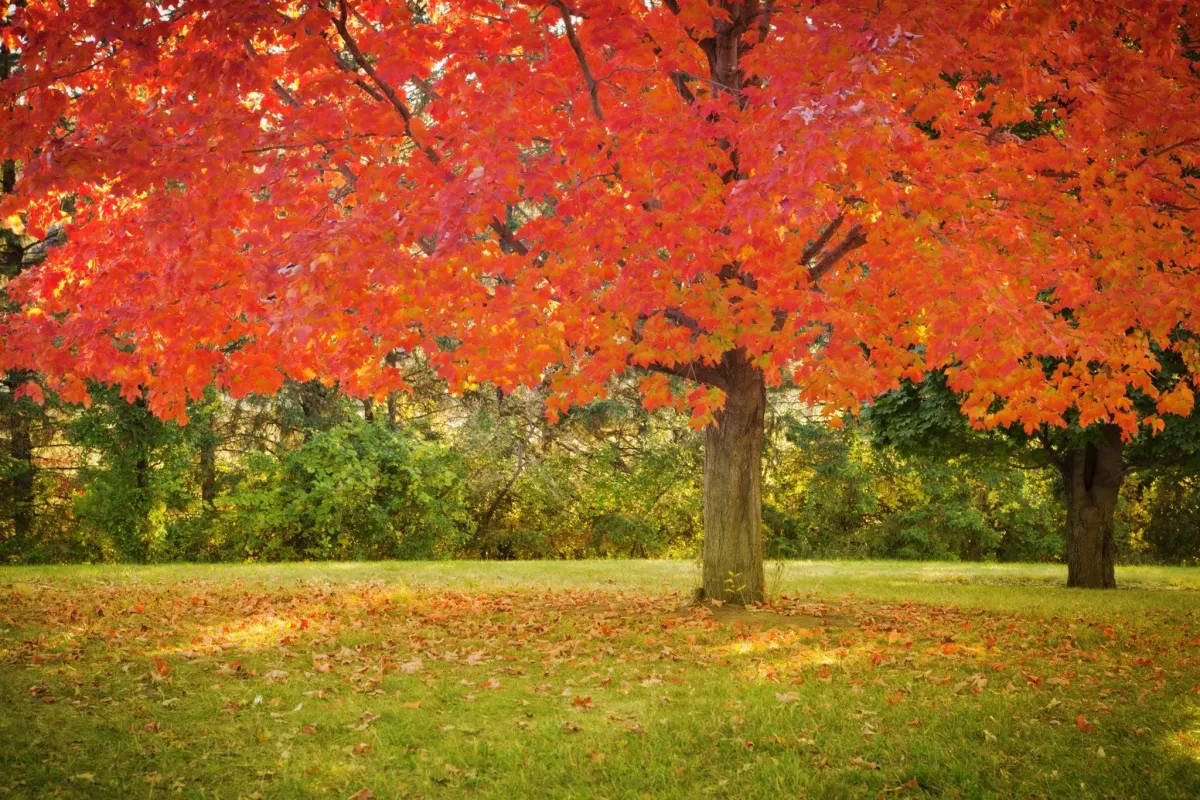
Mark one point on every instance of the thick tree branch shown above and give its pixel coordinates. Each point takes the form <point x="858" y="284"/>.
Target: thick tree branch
<point x="1168" y="148"/>
<point x="855" y="239"/>
<point x="370" y="90"/>
<point x="680" y="79"/>
<point x="820" y="265"/>
<point x="813" y="250"/>
<point x="509" y="243"/>
<point x="287" y="97"/>
<point x="339" y="23"/>
<point x="764" y="20"/>
<point x="695" y="370"/>
<point x="589" y="80"/>
<point x="683" y="320"/>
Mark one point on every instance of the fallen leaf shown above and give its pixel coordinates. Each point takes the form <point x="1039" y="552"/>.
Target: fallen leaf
<point x="364" y="721"/>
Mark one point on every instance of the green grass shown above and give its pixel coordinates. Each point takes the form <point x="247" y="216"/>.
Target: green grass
<point x="595" y="679"/>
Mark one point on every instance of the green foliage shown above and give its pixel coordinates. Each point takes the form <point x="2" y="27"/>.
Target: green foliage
<point x="355" y="491"/>
<point x="975" y="512"/>
<point x="837" y="494"/>
<point x="611" y="480"/>
<point x="306" y="474"/>
<point x="1169" y="529"/>
<point x="138" y="479"/>
<point x="16" y="418"/>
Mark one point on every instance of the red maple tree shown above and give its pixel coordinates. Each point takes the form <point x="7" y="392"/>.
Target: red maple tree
<point x="728" y="194"/>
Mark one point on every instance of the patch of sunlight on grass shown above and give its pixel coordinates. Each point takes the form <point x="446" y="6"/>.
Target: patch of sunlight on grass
<point x="763" y="642"/>
<point x="247" y="635"/>
<point x="1186" y="741"/>
<point x="402" y="595"/>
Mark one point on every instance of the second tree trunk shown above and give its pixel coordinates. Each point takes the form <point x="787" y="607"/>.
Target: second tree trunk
<point x="1092" y="479"/>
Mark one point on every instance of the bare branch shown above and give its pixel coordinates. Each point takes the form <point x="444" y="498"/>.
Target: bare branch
<point x="764" y="20"/>
<point x="1043" y="437"/>
<point x="695" y="370"/>
<point x="370" y="90"/>
<point x="313" y="143"/>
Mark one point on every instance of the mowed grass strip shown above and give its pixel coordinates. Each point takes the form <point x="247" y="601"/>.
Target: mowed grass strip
<point x="595" y="679"/>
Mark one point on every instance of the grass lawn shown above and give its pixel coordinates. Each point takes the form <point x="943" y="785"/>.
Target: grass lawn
<point x="595" y="679"/>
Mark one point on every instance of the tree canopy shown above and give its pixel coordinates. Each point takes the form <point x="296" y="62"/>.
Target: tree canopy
<point x="843" y="193"/>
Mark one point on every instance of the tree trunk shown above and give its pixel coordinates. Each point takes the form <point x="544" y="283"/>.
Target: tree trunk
<point x="1092" y="479"/>
<point x="20" y="427"/>
<point x="21" y="485"/>
<point x="392" y="359"/>
<point x="208" y="471"/>
<point x="141" y="469"/>
<point x="21" y="450"/>
<point x="733" y="546"/>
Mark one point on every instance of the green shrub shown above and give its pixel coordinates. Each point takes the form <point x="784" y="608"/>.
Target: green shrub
<point x="355" y="491"/>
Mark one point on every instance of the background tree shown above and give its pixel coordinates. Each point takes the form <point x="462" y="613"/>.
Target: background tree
<point x="246" y="480"/>
<point x="20" y="419"/>
<point x="1092" y="461"/>
<point x="725" y="193"/>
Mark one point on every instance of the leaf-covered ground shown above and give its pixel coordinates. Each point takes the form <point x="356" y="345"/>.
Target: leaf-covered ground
<point x="595" y="680"/>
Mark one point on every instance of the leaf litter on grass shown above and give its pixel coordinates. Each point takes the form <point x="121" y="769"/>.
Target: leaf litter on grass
<point x="323" y="687"/>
